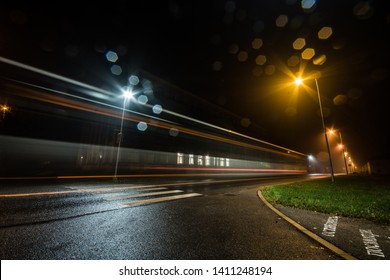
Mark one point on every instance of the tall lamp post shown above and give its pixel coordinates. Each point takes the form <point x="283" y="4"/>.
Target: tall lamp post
<point x="299" y="81"/>
<point x="126" y="95"/>
<point x="343" y="150"/>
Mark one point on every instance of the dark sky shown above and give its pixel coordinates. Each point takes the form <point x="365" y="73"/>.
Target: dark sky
<point x="239" y="55"/>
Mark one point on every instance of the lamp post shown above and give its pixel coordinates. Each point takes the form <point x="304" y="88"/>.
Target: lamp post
<point x="127" y="95"/>
<point x="341" y="146"/>
<point x="343" y="150"/>
<point x="298" y="81"/>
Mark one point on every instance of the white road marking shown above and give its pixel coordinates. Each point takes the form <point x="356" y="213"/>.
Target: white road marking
<point x="142" y="195"/>
<point x="371" y="244"/>
<point x="330" y="226"/>
<point x="159" y="199"/>
<point x="130" y="190"/>
<point x="103" y="188"/>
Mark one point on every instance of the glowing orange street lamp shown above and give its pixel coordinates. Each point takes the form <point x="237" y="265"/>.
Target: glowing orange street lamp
<point x="341" y="147"/>
<point x="299" y="81"/>
<point x="5" y="109"/>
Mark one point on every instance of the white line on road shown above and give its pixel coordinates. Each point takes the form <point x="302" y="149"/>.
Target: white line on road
<point x="129" y="190"/>
<point x="142" y="195"/>
<point x="159" y="199"/>
<point x="330" y="226"/>
<point x="371" y="244"/>
<point x="77" y="190"/>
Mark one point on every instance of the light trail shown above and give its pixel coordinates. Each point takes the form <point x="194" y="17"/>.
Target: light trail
<point x="82" y="106"/>
<point x="52" y="75"/>
<point x="77" y="83"/>
<point x="93" y="190"/>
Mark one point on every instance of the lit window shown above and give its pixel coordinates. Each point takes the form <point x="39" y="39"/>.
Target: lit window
<point x="191" y="159"/>
<point x="200" y="160"/>
<point x="207" y="158"/>
<point x="180" y="158"/>
<point x="222" y="162"/>
<point x="227" y="162"/>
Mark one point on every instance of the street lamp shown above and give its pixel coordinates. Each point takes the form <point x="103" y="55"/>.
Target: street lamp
<point x="127" y="94"/>
<point x="4" y="108"/>
<point x="299" y="81"/>
<point x="341" y="146"/>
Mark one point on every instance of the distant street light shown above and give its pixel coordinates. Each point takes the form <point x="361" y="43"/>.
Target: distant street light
<point x="4" y="108"/>
<point x="299" y="81"/>
<point x="127" y="94"/>
<point x="341" y="146"/>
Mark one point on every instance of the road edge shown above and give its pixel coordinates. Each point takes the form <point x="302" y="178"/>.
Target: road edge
<point x="312" y="235"/>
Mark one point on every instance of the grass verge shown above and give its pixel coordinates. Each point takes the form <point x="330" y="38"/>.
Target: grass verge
<point x="355" y="196"/>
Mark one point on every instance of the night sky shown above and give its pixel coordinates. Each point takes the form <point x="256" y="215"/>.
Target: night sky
<point x="239" y="55"/>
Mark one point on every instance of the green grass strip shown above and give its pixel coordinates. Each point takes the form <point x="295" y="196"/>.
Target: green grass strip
<point x="349" y="196"/>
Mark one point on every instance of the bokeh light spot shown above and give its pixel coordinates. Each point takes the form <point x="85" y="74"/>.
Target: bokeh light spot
<point x="281" y="21"/>
<point x="308" y="53"/>
<point x="116" y="70"/>
<point x="157" y="109"/>
<point x="173" y="132"/>
<point x="319" y="60"/>
<point x="325" y="32"/>
<point x="242" y="56"/>
<point x="133" y="80"/>
<point x="245" y="122"/>
<point x="293" y="60"/>
<point x="299" y="43"/>
<point x="257" y="43"/>
<point x="339" y="44"/>
<point x="142" y="126"/>
<point x="147" y="85"/>
<point x="261" y="59"/>
<point x="363" y="10"/>
<point x="233" y="49"/>
<point x="111" y="56"/>
<point x="308" y="4"/>
<point x="270" y="69"/>
<point x="142" y="99"/>
<point x="340" y="99"/>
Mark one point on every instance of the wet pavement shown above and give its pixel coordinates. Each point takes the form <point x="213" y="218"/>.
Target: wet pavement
<point x="92" y="221"/>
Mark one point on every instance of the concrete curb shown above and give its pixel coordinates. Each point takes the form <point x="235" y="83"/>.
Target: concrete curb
<point x="320" y="240"/>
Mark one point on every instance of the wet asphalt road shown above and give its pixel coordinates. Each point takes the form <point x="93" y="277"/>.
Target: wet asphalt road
<point x="99" y="220"/>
